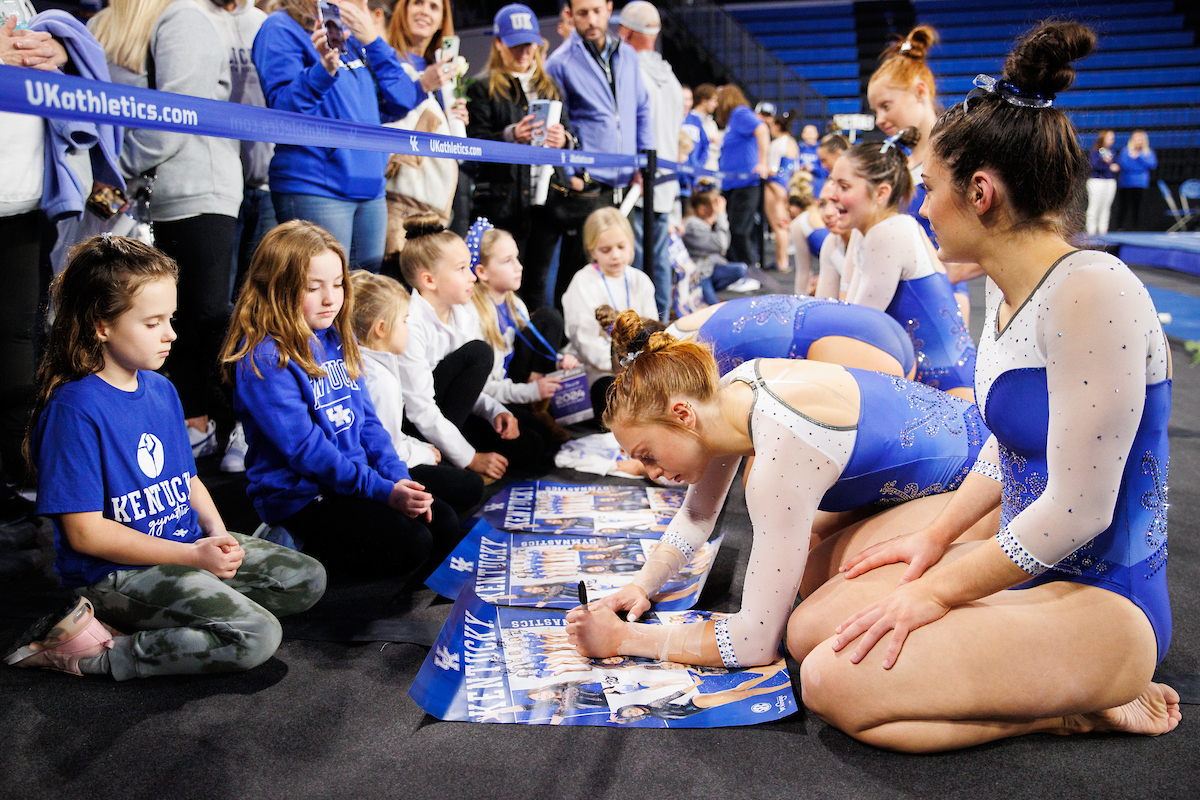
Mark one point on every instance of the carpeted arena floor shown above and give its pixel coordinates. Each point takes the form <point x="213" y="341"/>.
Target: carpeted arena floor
<point x="333" y="719"/>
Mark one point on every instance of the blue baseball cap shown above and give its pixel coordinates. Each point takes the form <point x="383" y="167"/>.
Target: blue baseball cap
<point x="516" y="24"/>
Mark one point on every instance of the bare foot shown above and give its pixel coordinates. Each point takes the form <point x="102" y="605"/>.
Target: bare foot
<point x="1154" y="712"/>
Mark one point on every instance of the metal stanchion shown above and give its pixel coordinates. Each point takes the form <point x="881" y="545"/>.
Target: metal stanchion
<point x="648" y="216"/>
<point x="762" y="223"/>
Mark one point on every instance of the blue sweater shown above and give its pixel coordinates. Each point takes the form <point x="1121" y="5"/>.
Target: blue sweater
<point x="293" y="79"/>
<point x="739" y="148"/>
<point x="602" y="123"/>
<point x="1135" y="170"/>
<point x="310" y="435"/>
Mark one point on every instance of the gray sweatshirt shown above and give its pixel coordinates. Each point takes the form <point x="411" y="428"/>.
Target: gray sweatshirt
<point x="238" y="29"/>
<point x="706" y="245"/>
<point x="195" y="174"/>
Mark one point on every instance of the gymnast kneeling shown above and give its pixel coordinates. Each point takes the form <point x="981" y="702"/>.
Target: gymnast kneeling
<point x="824" y="436"/>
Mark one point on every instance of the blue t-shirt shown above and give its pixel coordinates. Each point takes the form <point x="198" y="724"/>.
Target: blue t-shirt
<point x="810" y="159"/>
<point x="739" y="148"/>
<point x="125" y="454"/>
<point x="693" y="126"/>
<point x="308" y="435"/>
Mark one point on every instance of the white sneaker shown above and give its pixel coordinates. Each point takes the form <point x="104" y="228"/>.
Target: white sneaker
<point x="235" y="451"/>
<point x="744" y="285"/>
<point x="204" y="443"/>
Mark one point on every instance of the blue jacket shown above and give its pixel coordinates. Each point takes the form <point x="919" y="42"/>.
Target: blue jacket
<point x="63" y="193"/>
<point x="293" y="79"/>
<point x="310" y="435"/>
<point x="1135" y="170"/>
<point x="602" y="124"/>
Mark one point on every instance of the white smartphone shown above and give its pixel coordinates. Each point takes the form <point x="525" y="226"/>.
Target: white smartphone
<point x="449" y="49"/>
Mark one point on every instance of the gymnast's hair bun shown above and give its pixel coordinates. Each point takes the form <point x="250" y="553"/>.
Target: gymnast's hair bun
<point x="420" y="225"/>
<point x="909" y="137"/>
<point x="606" y="315"/>
<point x="914" y="46"/>
<point x="1041" y="61"/>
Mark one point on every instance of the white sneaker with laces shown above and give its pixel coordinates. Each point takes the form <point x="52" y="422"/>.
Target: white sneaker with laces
<point x="235" y="451"/>
<point x="744" y="285"/>
<point x="204" y="443"/>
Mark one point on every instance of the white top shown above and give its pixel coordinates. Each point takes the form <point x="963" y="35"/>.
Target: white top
<point x="892" y="251"/>
<point x="714" y="141"/>
<point x="832" y="281"/>
<point x="499" y="385"/>
<point x="22" y="163"/>
<point x="1092" y="326"/>
<point x="806" y="263"/>
<point x="589" y="290"/>
<point x="797" y="460"/>
<point x="779" y="148"/>
<point x="382" y="375"/>
<point x="429" y="341"/>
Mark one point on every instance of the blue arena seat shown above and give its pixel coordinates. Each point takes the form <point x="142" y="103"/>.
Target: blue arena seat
<point x="1096" y="61"/>
<point x="995" y="16"/>
<point x="1100" y="79"/>
<point x="992" y="30"/>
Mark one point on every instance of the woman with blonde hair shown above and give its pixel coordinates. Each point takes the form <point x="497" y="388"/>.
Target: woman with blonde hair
<point x="499" y="101"/>
<point x="173" y="46"/>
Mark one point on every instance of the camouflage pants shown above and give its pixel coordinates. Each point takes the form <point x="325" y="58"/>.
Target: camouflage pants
<point x="187" y="621"/>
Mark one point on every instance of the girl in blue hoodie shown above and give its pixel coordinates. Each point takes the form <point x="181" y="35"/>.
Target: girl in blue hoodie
<point x="319" y="462"/>
<point x="340" y="189"/>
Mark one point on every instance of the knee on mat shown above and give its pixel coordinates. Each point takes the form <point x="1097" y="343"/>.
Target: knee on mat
<point x="829" y="690"/>
<point x="260" y="636"/>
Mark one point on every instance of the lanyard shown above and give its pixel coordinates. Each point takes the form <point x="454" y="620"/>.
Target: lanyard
<point x="550" y="352"/>
<point x="604" y="280"/>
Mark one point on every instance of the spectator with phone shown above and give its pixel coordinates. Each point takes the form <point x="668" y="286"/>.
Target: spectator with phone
<point x="501" y="102"/>
<point x="301" y="70"/>
<point x="1135" y="162"/>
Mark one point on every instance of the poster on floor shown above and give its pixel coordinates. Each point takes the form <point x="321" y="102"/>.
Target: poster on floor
<point x="519" y="569"/>
<point x="515" y="665"/>
<point x="569" y="509"/>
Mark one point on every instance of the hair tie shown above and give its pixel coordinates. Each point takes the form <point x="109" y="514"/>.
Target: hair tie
<point x="628" y="358"/>
<point x="417" y="231"/>
<point x="905" y="46"/>
<point x="637" y="345"/>
<point x="894" y="141"/>
<point x="474" y="238"/>
<point x="1011" y="93"/>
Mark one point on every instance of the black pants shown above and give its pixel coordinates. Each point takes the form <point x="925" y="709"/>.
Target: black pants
<point x="459" y="378"/>
<point x="527" y="359"/>
<point x="1129" y="208"/>
<point x="743" y="204"/>
<point x="599" y="396"/>
<point x="203" y="247"/>
<point x="532" y="451"/>
<point x="358" y="538"/>
<point x="537" y="250"/>
<point x="22" y="238"/>
<point x="573" y="256"/>
<point x="461" y="489"/>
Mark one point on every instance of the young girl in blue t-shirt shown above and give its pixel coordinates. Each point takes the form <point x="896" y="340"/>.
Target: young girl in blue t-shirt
<point x="136" y="533"/>
<point x="319" y="462"/>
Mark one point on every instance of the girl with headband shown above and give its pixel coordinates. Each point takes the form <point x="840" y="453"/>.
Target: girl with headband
<point x="1074" y="380"/>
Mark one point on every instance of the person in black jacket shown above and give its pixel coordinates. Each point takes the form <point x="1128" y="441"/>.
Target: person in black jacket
<point x="499" y="110"/>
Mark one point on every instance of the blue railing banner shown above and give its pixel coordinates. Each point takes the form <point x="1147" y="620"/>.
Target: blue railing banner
<point x="58" y="96"/>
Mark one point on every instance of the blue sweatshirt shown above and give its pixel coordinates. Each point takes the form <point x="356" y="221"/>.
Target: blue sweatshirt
<point x="1135" y="170"/>
<point x="310" y="435"/>
<point x="293" y="79"/>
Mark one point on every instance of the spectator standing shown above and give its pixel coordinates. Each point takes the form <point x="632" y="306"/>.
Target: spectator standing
<point x="1136" y="161"/>
<point x="694" y="129"/>
<point x="499" y="105"/>
<point x="342" y="190"/>
<point x="610" y="109"/>
<point x="783" y="159"/>
<point x="704" y="105"/>
<point x="173" y="46"/>
<point x="744" y="158"/>
<point x="1102" y="182"/>
<point x="237" y="22"/>
<point x="640" y="26"/>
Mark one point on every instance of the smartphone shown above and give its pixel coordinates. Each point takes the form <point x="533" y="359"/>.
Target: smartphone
<point x="331" y="18"/>
<point x="449" y="50"/>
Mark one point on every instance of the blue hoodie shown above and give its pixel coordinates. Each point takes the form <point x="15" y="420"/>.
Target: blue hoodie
<point x="308" y="435"/>
<point x="293" y="79"/>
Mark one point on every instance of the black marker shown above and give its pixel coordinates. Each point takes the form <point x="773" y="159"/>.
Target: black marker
<point x="583" y="601"/>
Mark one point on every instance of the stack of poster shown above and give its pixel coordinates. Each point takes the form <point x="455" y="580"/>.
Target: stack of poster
<point x="515" y="665"/>
<point x="522" y="569"/>
<point x="573" y="509"/>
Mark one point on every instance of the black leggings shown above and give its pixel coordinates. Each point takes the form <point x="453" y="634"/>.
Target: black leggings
<point x="203" y="247"/>
<point x="599" y="396"/>
<point x="21" y="235"/>
<point x="743" y="204"/>
<point x="1129" y="208"/>
<point x="526" y="359"/>
<point x="358" y="538"/>
<point x="461" y="489"/>
<point x="532" y="451"/>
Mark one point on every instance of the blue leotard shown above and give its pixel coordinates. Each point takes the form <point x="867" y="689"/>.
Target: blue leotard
<point x="785" y="326"/>
<point x="1129" y="557"/>
<point x="912" y="441"/>
<point x="927" y="310"/>
<point x="783" y="175"/>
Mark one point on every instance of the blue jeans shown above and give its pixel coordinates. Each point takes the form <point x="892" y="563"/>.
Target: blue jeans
<point x="722" y="275"/>
<point x="255" y="220"/>
<point x="359" y="226"/>
<point x="662" y="273"/>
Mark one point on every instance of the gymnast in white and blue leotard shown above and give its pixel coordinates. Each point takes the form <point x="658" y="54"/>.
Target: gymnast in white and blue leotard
<point x="822" y="437"/>
<point x="1074" y="379"/>
<point x="891" y="264"/>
